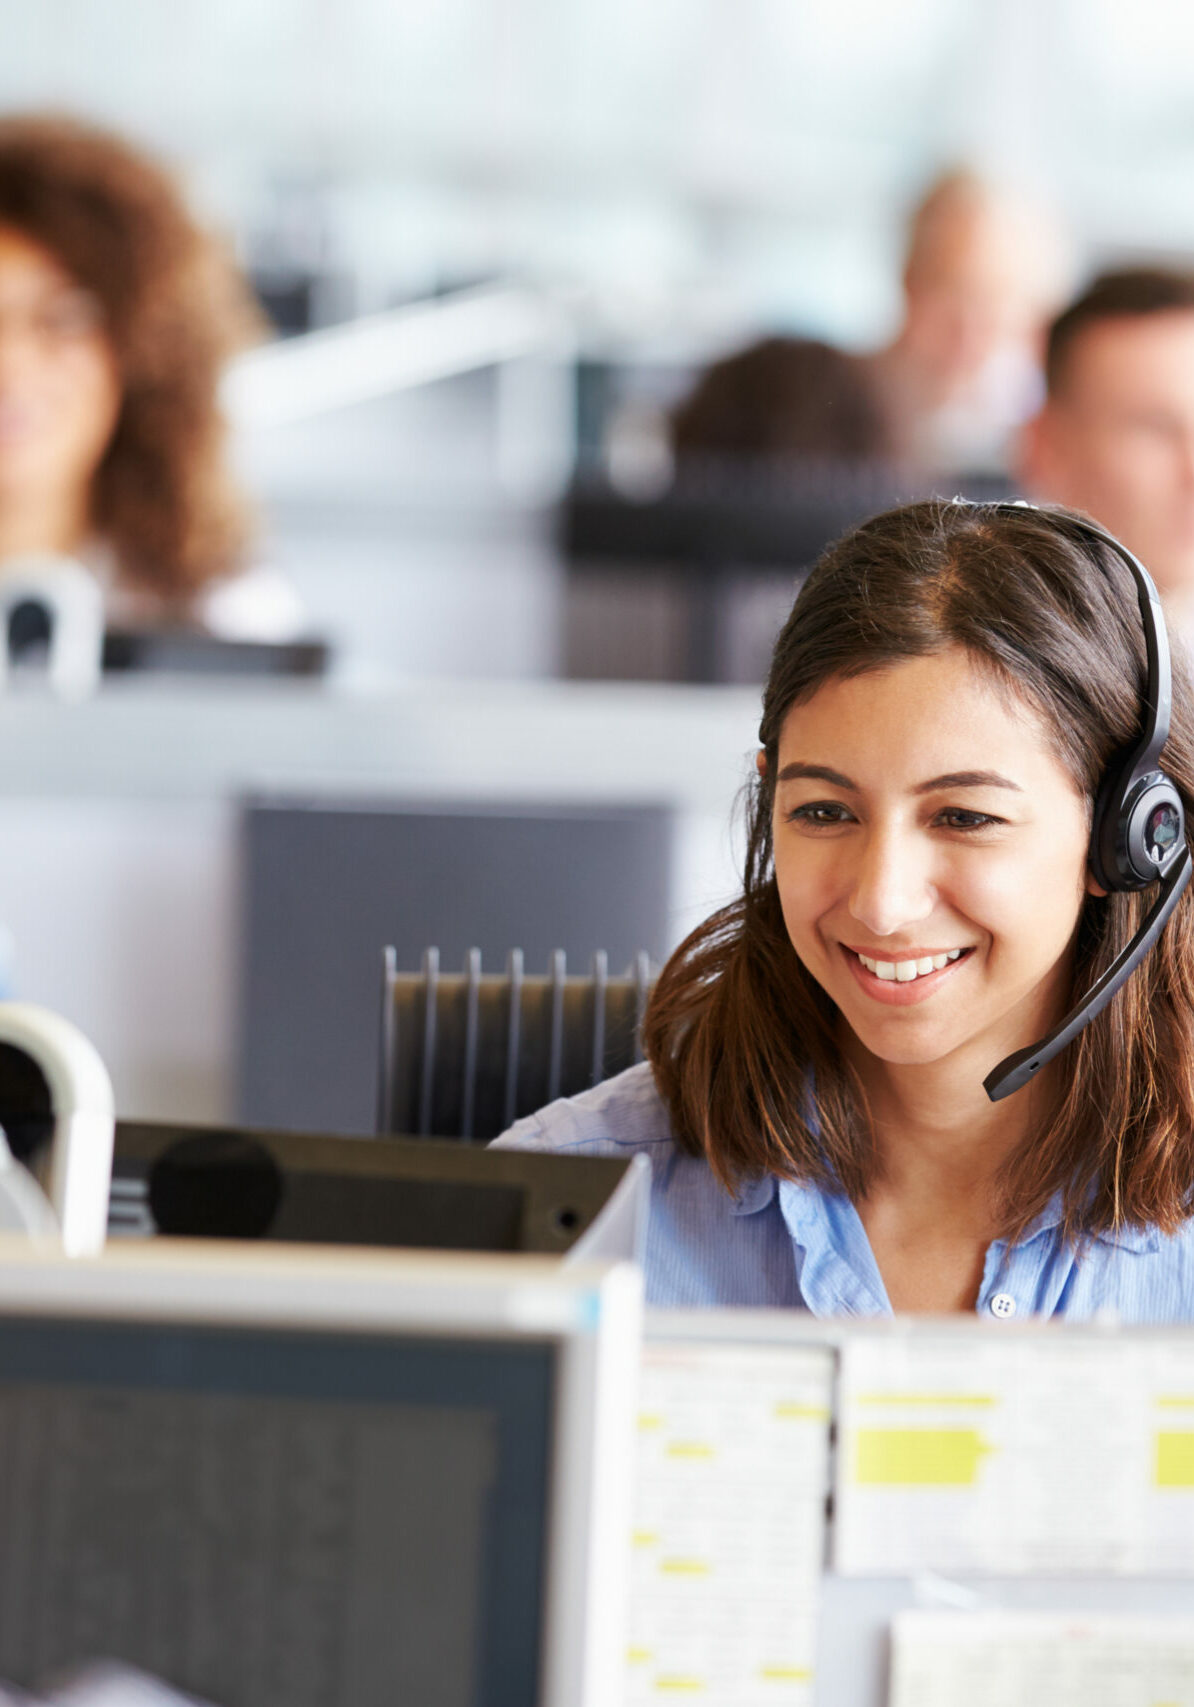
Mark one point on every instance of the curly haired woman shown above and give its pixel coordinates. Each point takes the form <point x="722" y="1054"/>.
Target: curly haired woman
<point x="117" y="314"/>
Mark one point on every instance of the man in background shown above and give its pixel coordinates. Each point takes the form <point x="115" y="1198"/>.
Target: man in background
<point x="982" y="273"/>
<point x="1115" y="436"/>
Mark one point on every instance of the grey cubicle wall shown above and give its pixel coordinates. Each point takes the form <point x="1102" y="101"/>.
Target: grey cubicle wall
<point x="326" y="885"/>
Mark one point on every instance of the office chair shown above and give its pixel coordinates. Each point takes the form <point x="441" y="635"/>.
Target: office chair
<point x="327" y="880"/>
<point x="56" y="1129"/>
<point x="464" y="1055"/>
<point x="52" y="612"/>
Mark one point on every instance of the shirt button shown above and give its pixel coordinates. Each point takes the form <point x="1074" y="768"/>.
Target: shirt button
<point x="1003" y="1305"/>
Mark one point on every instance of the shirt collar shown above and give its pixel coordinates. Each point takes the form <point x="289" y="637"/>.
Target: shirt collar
<point x="753" y="1194"/>
<point x="1122" y="1238"/>
<point x="756" y="1193"/>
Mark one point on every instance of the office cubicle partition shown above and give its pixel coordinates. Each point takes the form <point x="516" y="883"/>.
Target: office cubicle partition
<point x="326" y="886"/>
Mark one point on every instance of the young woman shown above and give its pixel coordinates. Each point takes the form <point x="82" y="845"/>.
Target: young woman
<point x="919" y="903"/>
<point x="117" y="314"/>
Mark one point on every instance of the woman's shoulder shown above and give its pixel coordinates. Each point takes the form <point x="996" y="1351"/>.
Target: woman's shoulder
<point x="621" y="1116"/>
<point x="1139" y="1275"/>
<point x="259" y="603"/>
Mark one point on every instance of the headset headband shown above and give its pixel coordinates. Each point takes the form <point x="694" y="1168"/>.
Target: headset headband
<point x="1138" y="830"/>
<point x="1157" y="702"/>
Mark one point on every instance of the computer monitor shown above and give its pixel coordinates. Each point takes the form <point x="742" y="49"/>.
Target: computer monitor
<point x="233" y="1182"/>
<point x="275" y="1477"/>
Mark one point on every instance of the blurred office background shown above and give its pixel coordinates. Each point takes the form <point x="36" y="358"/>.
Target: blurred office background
<point x="665" y="180"/>
<point x="499" y="240"/>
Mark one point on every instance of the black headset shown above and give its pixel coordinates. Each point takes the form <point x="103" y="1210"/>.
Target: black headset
<point x="1138" y="831"/>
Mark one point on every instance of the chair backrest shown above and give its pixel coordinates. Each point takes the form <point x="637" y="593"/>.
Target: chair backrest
<point x="464" y="1055"/>
<point x="52" y="605"/>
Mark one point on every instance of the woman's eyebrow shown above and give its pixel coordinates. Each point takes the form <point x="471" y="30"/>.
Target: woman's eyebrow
<point x="819" y="773"/>
<point x="967" y="779"/>
<point x="952" y="779"/>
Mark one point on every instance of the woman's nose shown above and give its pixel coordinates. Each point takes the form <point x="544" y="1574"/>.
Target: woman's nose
<point x="892" y="882"/>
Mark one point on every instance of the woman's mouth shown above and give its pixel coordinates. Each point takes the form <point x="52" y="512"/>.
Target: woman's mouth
<point x="908" y="979"/>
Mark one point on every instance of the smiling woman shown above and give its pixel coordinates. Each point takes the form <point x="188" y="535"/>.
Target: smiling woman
<point x="978" y="872"/>
<point x="919" y="901"/>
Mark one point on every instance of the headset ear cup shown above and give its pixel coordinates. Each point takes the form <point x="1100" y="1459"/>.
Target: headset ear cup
<point x="1136" y="832"/>
<point x="1156" y="828"/>
<point x="1106" y="827"/>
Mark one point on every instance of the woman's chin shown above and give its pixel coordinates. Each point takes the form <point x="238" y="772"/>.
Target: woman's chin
<point x="904" y="1046"/>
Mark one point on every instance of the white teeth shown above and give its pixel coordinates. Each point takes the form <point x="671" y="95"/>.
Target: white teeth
<point x="904" y="971"/>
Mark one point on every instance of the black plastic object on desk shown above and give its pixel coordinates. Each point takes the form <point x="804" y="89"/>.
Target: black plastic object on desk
<point x="314" y="1188"/>
<point x="190" y="652"/>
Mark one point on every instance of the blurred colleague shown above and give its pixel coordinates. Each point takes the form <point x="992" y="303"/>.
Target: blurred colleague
<point x="1115" y="436"/>
<point x="780" y="400"/>
<point x="982" y="273"/>
<point x="116" y="316"/>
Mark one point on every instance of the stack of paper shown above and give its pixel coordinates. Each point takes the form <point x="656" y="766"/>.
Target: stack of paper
<point x="1034" y="1453"/>
<point x="729" y="1530"/>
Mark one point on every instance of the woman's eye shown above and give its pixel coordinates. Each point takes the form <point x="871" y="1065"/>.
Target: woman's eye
<point x="820" y="814"/>
<point x="958" y="818"/>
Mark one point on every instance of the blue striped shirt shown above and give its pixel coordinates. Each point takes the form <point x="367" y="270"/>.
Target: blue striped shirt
<point x="791" y="1246"/>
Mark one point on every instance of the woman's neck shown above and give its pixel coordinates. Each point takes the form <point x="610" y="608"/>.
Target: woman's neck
<point x="934" y="1207"/>
<point x="937" y="1134"/>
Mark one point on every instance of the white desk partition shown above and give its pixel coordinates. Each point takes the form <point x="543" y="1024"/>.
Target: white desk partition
<point x="1010" y="1513"/>
<point x="119" y="857"/>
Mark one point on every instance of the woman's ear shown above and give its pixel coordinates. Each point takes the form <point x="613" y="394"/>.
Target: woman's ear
<point x="761" y="763"/>
<point x="1094" y="887"/>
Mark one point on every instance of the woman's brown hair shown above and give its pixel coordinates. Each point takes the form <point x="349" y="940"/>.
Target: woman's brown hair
<point x="741" y="1038"/>
<point x="174" y="309"/>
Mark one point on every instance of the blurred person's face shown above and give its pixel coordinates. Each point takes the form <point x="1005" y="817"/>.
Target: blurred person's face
<point x="59" y="382"/>
<point x="1117" y="438"/>
<point x="972" y="299"/>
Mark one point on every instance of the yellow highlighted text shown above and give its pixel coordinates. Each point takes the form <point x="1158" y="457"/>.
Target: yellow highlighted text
<point x="1175" y="1459"/>
<point x="918" y="1457"/>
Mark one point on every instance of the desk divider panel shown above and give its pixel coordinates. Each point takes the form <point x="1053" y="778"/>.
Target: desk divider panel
<point x="327" y="885"/>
